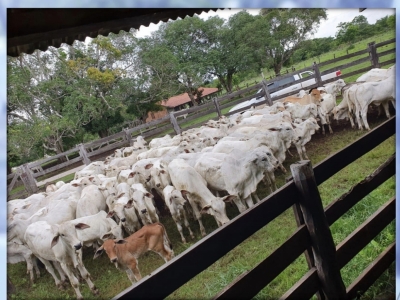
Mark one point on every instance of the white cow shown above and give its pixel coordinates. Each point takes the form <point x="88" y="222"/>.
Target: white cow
<point x="143" y="201"/>
<point x="248" y="169"/>
<point x="100" y="228"/>
<point x="377" y="74"/>
<point x="121" y="206"/>
<point x="373" y="93"/>
<point x="301" y="111"/>
<point x="56" y="243"/>
<point x="91" y="201"/>
<point x="176" y="205"/>
<point x="194" y="189"/>
<point x="302" y="135"/>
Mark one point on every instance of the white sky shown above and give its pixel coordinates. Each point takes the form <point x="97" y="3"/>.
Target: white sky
<point x="327" y="28"/>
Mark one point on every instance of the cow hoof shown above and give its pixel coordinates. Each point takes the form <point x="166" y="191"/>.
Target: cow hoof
<point x="95" y="291"/>
<point x="60" y="286"/>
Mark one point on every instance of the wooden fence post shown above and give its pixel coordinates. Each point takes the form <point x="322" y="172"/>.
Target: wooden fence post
<point x="266" y="92"/>
<point x="128" y="137"/>
<point x="17" y="174"/>
<point x="321" y="238"/>
<point x="174" y="123"/>
<point x="83" y="154"/>
<point x="373" y="55"/>
<point x="216" y="103"/>
<point x="28" y="179"/>
<point x="318" y="78"/>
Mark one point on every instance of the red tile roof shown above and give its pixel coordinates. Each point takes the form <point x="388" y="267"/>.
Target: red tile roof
<point x="184" y="98"/>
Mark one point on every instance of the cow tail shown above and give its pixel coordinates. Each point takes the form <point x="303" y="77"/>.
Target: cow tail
<point x="167" y="242"/>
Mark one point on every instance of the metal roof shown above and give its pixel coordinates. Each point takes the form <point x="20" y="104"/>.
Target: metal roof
<point x="29" y="29"/>
<point x="184" y="98"/>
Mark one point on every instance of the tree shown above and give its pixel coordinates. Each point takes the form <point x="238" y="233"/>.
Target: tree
<point x="173" y="58"/>
<point x="284" y="30"/>
<point x="225" y="49"/>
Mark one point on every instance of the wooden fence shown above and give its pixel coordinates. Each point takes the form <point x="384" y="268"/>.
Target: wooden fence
<point x="324" y="260"/>
<point x="82" y="153"/>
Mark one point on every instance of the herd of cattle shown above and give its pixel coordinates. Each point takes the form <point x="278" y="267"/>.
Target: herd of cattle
<point x="110" y="206"/>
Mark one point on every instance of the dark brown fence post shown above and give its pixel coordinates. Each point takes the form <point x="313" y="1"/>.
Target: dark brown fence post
<point x="266" y="93"/>
<point x="317" y="73"/>
<point x="28" y="179"/>
<point x="83" y="154"/>
<point x="174" y="123"/>
<point x="216" y="103"/>
<point x="322" y="241"/>
<point x="373" y="55"/>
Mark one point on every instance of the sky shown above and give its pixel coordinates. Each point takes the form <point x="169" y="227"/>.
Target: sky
<point x="376" y="9"/>
<point x="326" y="28"/>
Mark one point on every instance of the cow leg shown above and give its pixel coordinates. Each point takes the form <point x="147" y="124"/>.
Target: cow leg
<point x="330" y="128"/>
<point x="249" y="201"/>
<point x="364" y="118"/>
<point x="288" y="151"/>
<point x="63" y="276"/>
<point x="283" y="169"/>
<point x="393" y="103"/>
<point x="73" y="280"/>
<point x="197" y="216"/>
<point x="299" y="151"/>
<point x="50" y="269"/>
<point x="353" y="125"/>
<point x="130" y="275"/>
<point x="85" y="275"/>
<point x="271" y="177"/>
<point x="386" y="108"/>
<point x="240" y="205"/>
<point x="185" y="220"/>
<point x="322" y="128"/>
<point x="35" y="266"/>
<point x="29" y="267"/>
<point x="179" y="226"/>
<point x="303" y="149"/>
<point x="256" y="197"/>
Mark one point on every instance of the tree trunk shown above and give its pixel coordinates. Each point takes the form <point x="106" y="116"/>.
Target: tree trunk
<point x="277" y="69"/>
<point x="190" y="92"/>
<point x="223" y="82"/>
<point x="103" y="133"/>
<point x="229" y="78"/>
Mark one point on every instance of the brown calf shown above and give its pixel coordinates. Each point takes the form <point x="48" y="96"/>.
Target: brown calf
<point x="313" y="97"/>
<point x="125" y="253"/>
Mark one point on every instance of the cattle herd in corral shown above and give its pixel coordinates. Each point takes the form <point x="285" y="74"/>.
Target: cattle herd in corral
<point x="109" y="205"/>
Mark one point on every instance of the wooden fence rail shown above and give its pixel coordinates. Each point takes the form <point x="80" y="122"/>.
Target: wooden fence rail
<point x="166" y="124"/>
<point x="329" y="259"/>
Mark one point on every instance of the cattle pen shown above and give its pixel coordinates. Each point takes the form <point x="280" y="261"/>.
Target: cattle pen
<point x="29" y="174"/>
<point x="312" y="237"/>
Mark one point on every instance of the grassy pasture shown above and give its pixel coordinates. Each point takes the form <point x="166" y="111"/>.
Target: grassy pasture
<point x="111" y="281"/>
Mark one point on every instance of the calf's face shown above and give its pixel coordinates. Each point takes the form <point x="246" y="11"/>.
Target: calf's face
<point x="110" y="247"/>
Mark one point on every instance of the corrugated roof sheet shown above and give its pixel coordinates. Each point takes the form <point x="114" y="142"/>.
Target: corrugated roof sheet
<point x="184" y="98"/>
<point x="29" y="29"/>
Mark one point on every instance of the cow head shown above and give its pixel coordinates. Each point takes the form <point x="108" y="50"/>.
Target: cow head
<point x="110" y="247"/>
<point x="67" y="232"/>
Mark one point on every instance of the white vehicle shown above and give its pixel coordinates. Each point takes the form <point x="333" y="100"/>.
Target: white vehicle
<point x="284" y="81"/>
